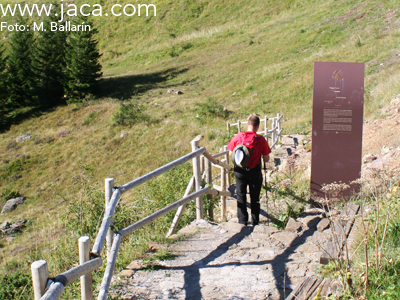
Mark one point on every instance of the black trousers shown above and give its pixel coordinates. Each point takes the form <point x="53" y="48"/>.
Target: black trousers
<point x="253" y="179"/>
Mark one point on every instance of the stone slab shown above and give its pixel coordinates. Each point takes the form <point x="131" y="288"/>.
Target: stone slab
<point x="293" y="225"/>
<point x="285" y="238"/>
<point x="231" y="226"/>
<point x="12" y="204"/>
<point x="323" y="224"/>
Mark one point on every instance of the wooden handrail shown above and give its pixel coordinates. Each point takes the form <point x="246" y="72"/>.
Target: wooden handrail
<point x="134" y="183"/>
<point x="57" y="287"/>
<point x="105" y="224"/>
<point x="216" y="161"/>
<point x="105" y="284"/>
<point x="129" y="229"/>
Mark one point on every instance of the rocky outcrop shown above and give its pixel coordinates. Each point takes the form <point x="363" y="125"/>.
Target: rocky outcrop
<point x="12" y="204"/>
<point x="23" y="138"/>
<point x="9" y="229"/>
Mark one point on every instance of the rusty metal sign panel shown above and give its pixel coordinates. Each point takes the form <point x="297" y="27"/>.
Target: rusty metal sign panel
<point x="337" y="123"/>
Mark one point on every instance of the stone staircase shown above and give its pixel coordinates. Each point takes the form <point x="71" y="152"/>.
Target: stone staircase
<point x="229" y="261"/>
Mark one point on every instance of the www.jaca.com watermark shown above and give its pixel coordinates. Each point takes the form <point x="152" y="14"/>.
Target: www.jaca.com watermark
<point x="69" y="10"/>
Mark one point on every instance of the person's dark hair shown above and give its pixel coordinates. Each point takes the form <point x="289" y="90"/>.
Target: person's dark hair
<point x="254" y="121"/>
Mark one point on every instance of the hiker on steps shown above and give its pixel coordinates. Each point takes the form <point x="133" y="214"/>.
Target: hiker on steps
<point x="246" y="150"/>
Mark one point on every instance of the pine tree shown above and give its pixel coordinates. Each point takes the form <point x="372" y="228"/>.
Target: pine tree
<point x="49" y="63"/>
<point x="3" y="74"/>
<point x="21" y="76"/>
<point x="3" y="86"/>
<point x="82" y="58"/>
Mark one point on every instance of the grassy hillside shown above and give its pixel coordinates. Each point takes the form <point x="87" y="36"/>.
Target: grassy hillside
<point x="263" y="51"/>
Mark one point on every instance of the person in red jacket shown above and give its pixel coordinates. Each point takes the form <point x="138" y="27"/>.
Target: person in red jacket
<point x="250" y="174"/>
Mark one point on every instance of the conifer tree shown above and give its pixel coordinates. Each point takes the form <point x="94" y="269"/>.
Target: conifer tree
<point x="3" y="86"/>
<point x="49" y="62"/>
<point x="21" y="77"/>
<point x="82" y="58"/>
<point x="3" y="75"/>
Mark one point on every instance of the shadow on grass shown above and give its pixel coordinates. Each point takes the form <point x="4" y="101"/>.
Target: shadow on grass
<point x="24" y="114"/>
<point x="124" y="87"/>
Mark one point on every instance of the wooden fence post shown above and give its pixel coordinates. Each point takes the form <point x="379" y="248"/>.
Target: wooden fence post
<point x="266" y="125"/>
<point x="179" y="212"/>
<point x="223" y="188"/>
<point x="109" y="184"/>
<point x="238" y="125"/>
<point x="40" y="274"/>
<point x="278" y="116"/>
<point x="228" y="177"/>
<point x="197" y="180"/>
<point x="208" y="171"/>
<point x="228" y="127"/>
<point x="86" y="280"/>
<point x="273" y="134"/>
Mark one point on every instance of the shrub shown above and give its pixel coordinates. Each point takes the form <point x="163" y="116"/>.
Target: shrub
<point x="211" y="108"/>
<point x="15" y="285"/>
<point x="7" y="194"/>
<point x="129" y="114"/>
<point x="165" y="190"/>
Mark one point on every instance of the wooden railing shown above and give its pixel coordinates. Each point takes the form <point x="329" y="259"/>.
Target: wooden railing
<point x="272" y="135"/>
<point x="46" y="288"/>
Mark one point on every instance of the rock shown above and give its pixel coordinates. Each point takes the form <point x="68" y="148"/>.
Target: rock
<point x="313" y="211"/>
<point x="12" y="204"/>
<point x="13" y="228"/>
<point x="123" y="134"/>
<point x="201" y="223"/>
<point x="135" y="265"/>
<point x="249" y="245"/>
<point x="178" y="93"/>
<point x="369" y="158"/>
<point x="5" y="225"/>
<point x="311" y="221"/>
<point x="285" y="237"/>
<point x="126" y="273"/>
<point x="293" y="225"/>
<point x="153" y="247"/>
<point x="19" y="224"/>
<point x="231" y="226"/>
<point x="297" y="272"/>
<point x="395" y="100"/>
<point x="265" y="229"/>
<point x="323" y="224"/>
<point x="23" y="137"/>
<point x="398" y="110"/>
<point x="332" y="212"/>
<point x="10" y="231"/>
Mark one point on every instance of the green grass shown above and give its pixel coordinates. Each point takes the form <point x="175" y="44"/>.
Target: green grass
<point x="262" y="51"/>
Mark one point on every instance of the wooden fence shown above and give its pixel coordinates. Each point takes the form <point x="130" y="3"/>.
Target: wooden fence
<point x="52" y="288"/>
<point x="272" y="135"/>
